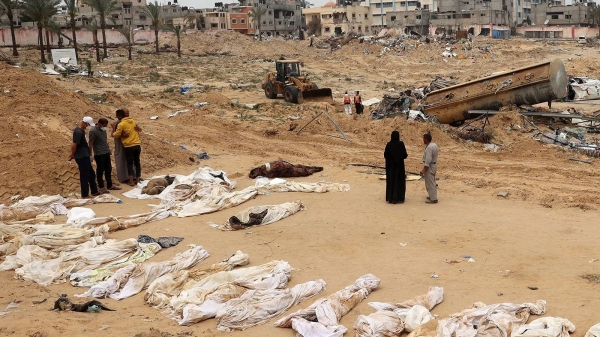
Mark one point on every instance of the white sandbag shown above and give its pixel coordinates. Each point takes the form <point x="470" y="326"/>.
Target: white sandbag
<point x="329" y="310"/>
<point x="165" y="287"/>
<point x="546" y="327"/>
<point x="381" y="323"/>
<point x="594" y="331"/>
<point x="79" y="215"/>
<point x="274" y="213"/>
<point x="90" y="278"/>
<point x="211" y="204"/>
<point x="58" y="269"/>
<point x="318" y="187"/>
<point x="256" y="307"/>
<point x="391" y="319"/>
<point x="305" y="328"/>
<point x="496" y="320"/>
<point x="128" y="282"/>
<point x="225" y="293"/>
<point x="196" y="292"/>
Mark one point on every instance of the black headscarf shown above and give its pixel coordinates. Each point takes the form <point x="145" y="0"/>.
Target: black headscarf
<point x="395" y="149"/>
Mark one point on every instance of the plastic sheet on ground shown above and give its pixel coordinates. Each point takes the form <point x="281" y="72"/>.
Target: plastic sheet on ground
<point x="391" y="319"/>
<point x="256" y="307"/>
<point x="292" y="186"/>
<point x="90" y="278"/>
<point x="321" y="319"/>
<point x="546" y="327"/>
<point x="496" y="320"/>
<point x="78" y="216"/>
<point x="204" y="177"/>
<point x="594" y="331"/>
<point x="189" y="306"/>
<point x="165" y="287"/>
<point x="130" y="281"/>
<point x="116" y="223"/>
<point x="163" y="241"/>
<point x="33" y="206"/>
<point x="261" y="215"/>
<point x="13" y="237"/>
<point x="211" y="204"/>
<point x="59" y="269"/>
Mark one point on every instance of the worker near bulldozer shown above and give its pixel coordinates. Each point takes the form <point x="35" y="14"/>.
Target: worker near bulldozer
<point x="358" y="103"/>
<point x="347" y="106"/>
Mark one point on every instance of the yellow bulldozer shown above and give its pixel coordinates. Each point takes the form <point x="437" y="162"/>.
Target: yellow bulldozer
<point x="287" y="80"/>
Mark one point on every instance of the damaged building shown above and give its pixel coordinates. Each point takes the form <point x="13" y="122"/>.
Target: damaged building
<point x="338" y="18"/>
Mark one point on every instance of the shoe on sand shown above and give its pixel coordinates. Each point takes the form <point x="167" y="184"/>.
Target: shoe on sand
<point x="429" y="201"/>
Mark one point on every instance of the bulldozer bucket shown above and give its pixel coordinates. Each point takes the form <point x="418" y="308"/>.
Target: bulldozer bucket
<point x="318" y="95"/>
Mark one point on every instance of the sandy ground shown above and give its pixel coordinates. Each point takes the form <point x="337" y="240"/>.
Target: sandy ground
<point x="542" y="235"/>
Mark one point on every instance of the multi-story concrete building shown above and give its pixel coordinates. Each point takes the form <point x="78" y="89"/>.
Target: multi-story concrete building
<point x="417" y="21"/>
<point x="580" y="14"/>
<point x="240" y="21"/>
<point x="338" y="19"/>
<point x="283" y="16"/>
<point x="130" y="13"/>
<point x="380" y="8"/>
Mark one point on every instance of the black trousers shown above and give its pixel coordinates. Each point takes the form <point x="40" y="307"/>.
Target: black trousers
<point x="87" y="177"/>
<point x="132" y="156"/>
<point x="103" y="168"/>
<point x="359" y="108"/>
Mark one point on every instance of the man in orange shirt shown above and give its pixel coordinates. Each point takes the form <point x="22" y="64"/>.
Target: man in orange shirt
<point x="347" y="106"/>
<point x="358" y="103"/>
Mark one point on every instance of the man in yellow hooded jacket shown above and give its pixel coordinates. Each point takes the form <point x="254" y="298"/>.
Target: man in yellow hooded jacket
<point x="127" y="131"/>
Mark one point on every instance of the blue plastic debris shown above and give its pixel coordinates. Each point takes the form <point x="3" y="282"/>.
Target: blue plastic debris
<point x="183" y="147"/>
<point x="184" y="90"/>
<point x="203" y="155"/>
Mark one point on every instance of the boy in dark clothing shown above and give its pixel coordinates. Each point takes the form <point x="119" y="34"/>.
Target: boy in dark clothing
<point x="80" y="151"/>
<point x="101" y="152"/>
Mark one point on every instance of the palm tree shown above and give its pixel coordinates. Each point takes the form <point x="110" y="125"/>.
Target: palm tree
<point x="305" y="4"/>
<point x="54" y="28"/>
<point x="93" y="27"/>
<point x="177" y="30"/>
<point x="128" y="35"/>
<point x="191" y="18"/>
<point x="596" y="15"/>
<point x="103" y="8"/>
<point x="40" y="11"/>
<point x="256" y="14"/>
<point x="153" y="11"/>
<point x="8" y="6"/>
<point x="72" y="12"/>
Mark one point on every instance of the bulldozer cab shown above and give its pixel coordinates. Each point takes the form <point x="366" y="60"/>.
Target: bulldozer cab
<point x="286" y="69"/>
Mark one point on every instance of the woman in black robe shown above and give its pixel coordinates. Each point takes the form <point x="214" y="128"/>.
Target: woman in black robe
<point x="395" y="175"/>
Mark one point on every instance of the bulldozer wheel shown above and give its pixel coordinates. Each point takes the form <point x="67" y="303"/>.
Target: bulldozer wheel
<point x="270" y="91"/>
<point x="315" y="87"/>
<point x="290" y="93"/>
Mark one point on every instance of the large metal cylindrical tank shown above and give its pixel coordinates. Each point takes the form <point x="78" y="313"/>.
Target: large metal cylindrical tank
<point x="535" y="84"/>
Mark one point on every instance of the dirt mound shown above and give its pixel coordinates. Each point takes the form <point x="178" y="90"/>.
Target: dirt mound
<point x="37" y="117"/>
<point x="233" y="43"/>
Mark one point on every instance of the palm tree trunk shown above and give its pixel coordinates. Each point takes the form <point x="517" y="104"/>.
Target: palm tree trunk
<point x="178" y="46"/>
<point x="41" y="41"/>
<point x="48" y="45"/>
<point x="156" y="39"/>
<point x="12" y="33"/>
<point x="129" y="49"/>
<point x="97" y="47"/>
<point x="74" y="37"/>
<point x="259" y="33"/>
<point x="103" y="26"/>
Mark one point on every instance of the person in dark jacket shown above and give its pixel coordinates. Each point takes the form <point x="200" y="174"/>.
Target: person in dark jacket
<point x="395" y="174"/>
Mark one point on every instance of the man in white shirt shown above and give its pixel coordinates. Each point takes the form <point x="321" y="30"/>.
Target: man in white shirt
<point x="429" y="170"/>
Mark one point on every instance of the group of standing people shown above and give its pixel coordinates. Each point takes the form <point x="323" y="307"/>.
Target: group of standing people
<point x="395" y="172"/>
<point x="125" y="132"/>
<point x="358" y="106"/>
